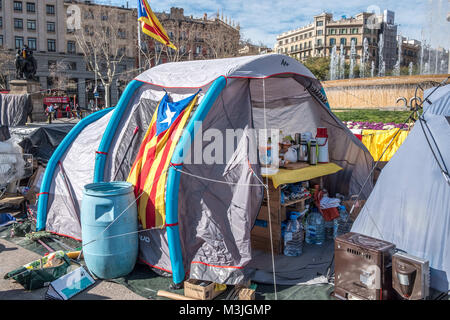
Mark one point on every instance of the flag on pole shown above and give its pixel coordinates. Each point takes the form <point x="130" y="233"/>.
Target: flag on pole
<point x="148" y="174"/>
<point x="151" y="25"/>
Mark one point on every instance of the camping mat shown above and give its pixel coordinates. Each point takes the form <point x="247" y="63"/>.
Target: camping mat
<point x="311" y="265"/>
<point x="146" y="283"/>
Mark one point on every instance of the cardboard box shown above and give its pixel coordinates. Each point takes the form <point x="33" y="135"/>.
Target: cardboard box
<point x="202" y="290"/>
<point x="262" y="243"/>
<point x="246" y="294"/>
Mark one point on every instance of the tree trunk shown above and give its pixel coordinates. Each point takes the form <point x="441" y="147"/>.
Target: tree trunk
<point x="107" y="95"/>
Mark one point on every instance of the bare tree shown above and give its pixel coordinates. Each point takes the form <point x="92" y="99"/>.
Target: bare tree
<point x="6" y="68"/>
<point x="58" y="74"/>
<point x="220" y="41"/>
<point x="101" y="46"/>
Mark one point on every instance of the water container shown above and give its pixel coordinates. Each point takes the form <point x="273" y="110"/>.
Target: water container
<point x="322" y="143"/>
<point x="293" y="237"/>
<point x="344" y="221"/>
<point x="115" y="254"/>
<point x="315" y="228"/>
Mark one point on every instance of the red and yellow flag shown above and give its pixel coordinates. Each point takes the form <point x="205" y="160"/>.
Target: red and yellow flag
<point x="148" y="174"/>
<point x="151" y="25"/>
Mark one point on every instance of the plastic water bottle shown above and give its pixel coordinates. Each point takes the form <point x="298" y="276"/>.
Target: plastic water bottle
<point x="293" y="237"/>
<point x="343" y="222"/>
<point x="331" y="229"/>
<point x="315" y="228"/>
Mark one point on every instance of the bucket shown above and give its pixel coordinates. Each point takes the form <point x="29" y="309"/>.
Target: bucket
<point x="322" y="143"/>
<point x="115" y="252"/>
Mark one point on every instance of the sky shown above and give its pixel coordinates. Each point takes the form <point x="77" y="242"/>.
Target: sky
<point x="262" y="20"/>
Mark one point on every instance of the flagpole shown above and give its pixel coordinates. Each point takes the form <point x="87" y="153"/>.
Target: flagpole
<point x="139" y="44"/>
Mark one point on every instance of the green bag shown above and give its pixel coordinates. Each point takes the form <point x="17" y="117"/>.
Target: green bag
<point x="34" y="275"/>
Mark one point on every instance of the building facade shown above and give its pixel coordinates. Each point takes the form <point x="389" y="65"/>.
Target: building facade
<point x="196" y="38"/>
<point x="51" y="27"/>
<point x="318" y="38"/>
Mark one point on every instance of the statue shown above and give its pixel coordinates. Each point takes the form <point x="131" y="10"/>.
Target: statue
<point x="26" y="65"/>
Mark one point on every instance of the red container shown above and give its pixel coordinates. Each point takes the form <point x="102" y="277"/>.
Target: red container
<point x="322" y="133"/>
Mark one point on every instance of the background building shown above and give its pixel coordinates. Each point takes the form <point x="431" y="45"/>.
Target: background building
<point x="318" y="38"/>
<point x="195" y="38"/>
<point x="47" y="27"/>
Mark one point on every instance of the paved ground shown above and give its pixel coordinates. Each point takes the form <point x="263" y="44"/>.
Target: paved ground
<point x="13" y="256"/>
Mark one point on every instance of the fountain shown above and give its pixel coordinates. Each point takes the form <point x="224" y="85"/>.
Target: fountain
<point x="352" y="60"/>
<point x="363" y="60"/>
<point x="333" y="64"/>
<point x="396" y="71"/>
<point x="434" y="38"/>
<point x="410" y="68"/>
<point x="381" y="63"/>
<point x="372" y="69"/>
<point x="341" y="62"/>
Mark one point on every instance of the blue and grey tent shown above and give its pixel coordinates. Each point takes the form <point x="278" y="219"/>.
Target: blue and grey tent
<point x="208" y="223"/>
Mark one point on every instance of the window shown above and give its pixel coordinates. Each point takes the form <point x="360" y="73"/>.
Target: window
<point x="342" y="31"/>
<point x="19" y="42"/>
<point x="71" y="47"/>
<point x="32" y="43"/>
<point x="319" y="42"/>
<point x="18" y="6"/>
<point x="319" y="32"/>
<point x="301" y="46"/>
<point x="1" y="22"/>
<point x="71" y="65"/>
<point x="319" y="23"/>
<point x="121" y="34"/>
<point x="344" y="41"/>
<point x="355" y="40"/>
<point x="31" y="7"/>
<point x="1" y="40"/>
<point x="50" y="27"/>
<point x="31" y="24"/>
<point x="51" y="45"/>
<point x="18" y="23"/>
<point x="332" y="41"/>
<point x="355" y="30"/>
<point x="332" y="31"/>
<point x="50" y="9"/>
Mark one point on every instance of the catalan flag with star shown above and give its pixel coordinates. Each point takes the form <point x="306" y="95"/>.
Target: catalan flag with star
<point x="149" y="171"/>
<point x="151" y="25"/>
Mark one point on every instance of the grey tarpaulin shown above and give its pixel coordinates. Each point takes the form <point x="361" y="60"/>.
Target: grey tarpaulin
<point x="14" y="109"/>
<point x="410" y="204"/>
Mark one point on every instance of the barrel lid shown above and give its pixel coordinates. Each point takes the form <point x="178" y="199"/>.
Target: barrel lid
<point x="108" y="188"/>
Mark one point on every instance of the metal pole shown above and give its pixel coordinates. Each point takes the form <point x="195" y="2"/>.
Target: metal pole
<point x="139" y="44"/>
<point x="96" y="89"/>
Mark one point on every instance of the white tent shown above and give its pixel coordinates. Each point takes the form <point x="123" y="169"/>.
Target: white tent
<point x="410" y="204"/>
<point x="210" y="222"/>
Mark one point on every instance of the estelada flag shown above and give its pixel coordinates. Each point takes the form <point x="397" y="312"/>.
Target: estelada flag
<point x="151" y="25"/>
<point x="149" y="172"/>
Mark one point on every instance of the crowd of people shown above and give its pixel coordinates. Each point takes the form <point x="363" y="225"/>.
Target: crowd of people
<point x="55" y="111"/>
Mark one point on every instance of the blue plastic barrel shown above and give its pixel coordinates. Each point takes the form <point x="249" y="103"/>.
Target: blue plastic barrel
<point x="109" y="252"/>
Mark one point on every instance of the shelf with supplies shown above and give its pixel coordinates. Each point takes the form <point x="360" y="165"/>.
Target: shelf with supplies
<point x="260" y="235"/>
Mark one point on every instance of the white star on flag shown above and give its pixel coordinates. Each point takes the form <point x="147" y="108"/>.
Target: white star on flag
<point x="169" y="116"/>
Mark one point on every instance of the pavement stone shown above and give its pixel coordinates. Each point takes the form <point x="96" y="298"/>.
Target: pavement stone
<point x="13" y="256"/>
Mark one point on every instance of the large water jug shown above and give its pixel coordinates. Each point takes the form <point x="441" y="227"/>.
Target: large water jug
<point x="293" y="237"/>
<point x="109" y="227"/>
<point x="315" y="228"/>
